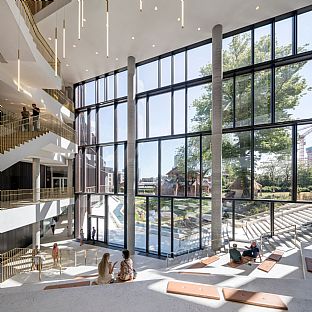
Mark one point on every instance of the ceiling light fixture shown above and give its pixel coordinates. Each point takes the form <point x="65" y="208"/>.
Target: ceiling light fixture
<point x="74" y="46"/>
<point x="182" y="13"/>
<point x="107" y="30"/>
<point x="132" y="37"/>
<point x="67" y="65"/>
<point x="96" y="53"/>
<point x="64" y="36"/>
<point x="116" y="58"/>
<point x="257" y="7"/>
<point x="49" y="38"/>
<point x="155" y="8"/>
<point x="87" y="70"/>
<point x="198" y="28"/>
<point x="82" y="13"/>
<point x="179" y="19"/>
<point x="153" y="45"/>
<point x="141" y="5"/>
<point x="79" y="19"/>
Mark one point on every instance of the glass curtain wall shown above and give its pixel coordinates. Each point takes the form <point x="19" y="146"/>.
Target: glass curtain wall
<point x="266" y="148"/>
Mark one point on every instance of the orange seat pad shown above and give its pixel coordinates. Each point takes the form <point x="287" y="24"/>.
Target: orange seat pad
<point x="267" y="265"/>
<point x="204" y="262"/>
<point x="68" y="285"/>
<point x="308" y="264"/>
<point x="191" y="289"/>
<point x="276" y="255"/>
<point x="254" y="298"/>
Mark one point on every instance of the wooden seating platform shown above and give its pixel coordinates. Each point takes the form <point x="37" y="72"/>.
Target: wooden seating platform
<point x="276" y="255"/>
<point x="67" y="285"/>
<point x="254" y="298"/>
<point x="244" y="260"/>
<point x="86" y="276"/>
<point x="267" y="265"/>
<point x="191" y="289"/>
<point x="194" y="273"/>
<point x="308" y="262"/>
<point x="204" y="262"/>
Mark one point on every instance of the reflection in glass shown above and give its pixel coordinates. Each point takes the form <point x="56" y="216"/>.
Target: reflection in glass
<point x="199" y="62"/>
<point x="153" y="224"/>
<point x="147" y="76"/>
<point x="237" y="51"/>
<point x="179" y="67"/>
<point x="147" y="168"/>
<point x="173" y="167"/>
<point x="89" y="93"/>
<point x="283" y="37"/>
<point x="90" y="159"/>
<point x="141" y="118"/>
<point x="293" y="91"/>
<point x="186" y="224"/>
<point x="82" y="128"/>
<point x="122" y="83"/>
<point x="97" y="205"/>
<point x="206" y="165"/>
<point x="110" y="88"/>
<point x="140" y="223"/>
<point x="92" y="127"/>
<point x="179" y="111"/>
<point x="116" y="217"/>
<point x="101" y="88"/>
<point x="273" y="158"/>
<point x="165" y="230"/>
<point x="121" y="168"/>
<point x="227" y="102"/>
<point x="236" y="165"/>
<point x="206" y="222"/>
<point x="262" y="96"/>
<point x="199" y="104"/>
<point x="106" y="124"/>
<point x="304" y="25"/>
<point x="106" y="166"/>
<point x="193" y="166"/>
<point x="165" y="65"/>
<point x="304" y="167"/>
<point x="78" y="103"/>
<point x="122" y="122"/>
<point x="243" y="100"/>
<point x="160" y="115"/>
<point x="262" y="45"/>
<point x="79" y="176"/>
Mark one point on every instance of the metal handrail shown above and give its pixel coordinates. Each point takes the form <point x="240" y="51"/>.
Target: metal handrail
<point x="22" y="197"/>
<point x="61" y="98"/>
<point x="39" y="40"/>
<point x="17" y="132"/>
<point x="6" y="116"/>
<point x="281" y="230"/>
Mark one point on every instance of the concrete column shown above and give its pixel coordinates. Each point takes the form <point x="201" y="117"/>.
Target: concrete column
<point x="131" y="156"/>
<point x="69" y="185"/>
<point x="36" y="235"/>
<point x="36" y="179"/>
<point x="216" y="138"/>
<point x="36" y="199"/>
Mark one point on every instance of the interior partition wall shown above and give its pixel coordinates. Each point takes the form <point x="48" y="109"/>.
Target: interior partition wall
<point x="266" y="148"/>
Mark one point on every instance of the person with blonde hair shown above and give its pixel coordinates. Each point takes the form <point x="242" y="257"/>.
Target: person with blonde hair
<point x="105" y="269"/>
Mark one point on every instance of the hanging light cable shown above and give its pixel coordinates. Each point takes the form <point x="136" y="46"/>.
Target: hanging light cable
<point x="79" y="19"/>
<point x="55" y="49"/>
<point x="141" y="5"/>
<point x="82" y="13"/>
<point x="18" y="56"/>
<point x="107" y="28"/>
<point x="64" y="37"/>
<point x="182" y="13"/>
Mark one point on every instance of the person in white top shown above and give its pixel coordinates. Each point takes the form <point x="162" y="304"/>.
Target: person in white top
<point x="105" y="269"/>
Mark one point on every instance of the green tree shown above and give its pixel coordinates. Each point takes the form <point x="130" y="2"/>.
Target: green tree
<point x="290" y="86"/>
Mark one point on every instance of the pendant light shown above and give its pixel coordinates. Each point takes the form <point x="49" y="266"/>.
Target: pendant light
<point x="182" y="13"/>
<point x="107" y="28"/>
<point x="82" y="13"/>
<point x="18" y="71"/>
<point x="55" y="53"/>
<point x="79" y="19"/>
<point x="64" y="36"/>
<point x="141" y="5"/>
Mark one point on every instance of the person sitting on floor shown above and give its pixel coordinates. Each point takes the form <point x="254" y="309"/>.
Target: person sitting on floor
<point x="105" y="269"/>
<point x="126" y="272"/>
<point x="235" y="255"/>
<point x="252" y="251"/>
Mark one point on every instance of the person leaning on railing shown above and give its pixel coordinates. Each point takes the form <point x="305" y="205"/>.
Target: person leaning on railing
<point x="25" y="119"/>
<point x="35" y="116"/>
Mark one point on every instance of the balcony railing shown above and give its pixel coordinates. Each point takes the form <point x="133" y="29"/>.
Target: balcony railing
<point x="61" y="98"/>
<point x="39" y="40"/>
<point x="37" y="6"/>
<point x="23" y="197"/>
<point x="18" y="132"/>
<point x="7" y="116"/>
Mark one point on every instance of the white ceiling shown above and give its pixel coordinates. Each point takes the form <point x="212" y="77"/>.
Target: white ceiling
<point x="160" y="28"/>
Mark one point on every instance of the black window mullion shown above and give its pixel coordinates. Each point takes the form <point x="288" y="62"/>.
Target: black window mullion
<point x="233" y="220"/>
<point x="106" y="224"/>
<point x="234" y="101"/>
<point x="172" y="112"/>
<point x="147" y="116"/>
<point x="272" y="95"/>
<point x="159" y="225"/>
<point x="294" y="162"/>
<point x="252" y="155"/>
<point x="172" y="227"/>
<point x="295" y="34"/>
<point x="147" y="225"/>
<point x="115" y="168"/>
<point x="185" y="167"/>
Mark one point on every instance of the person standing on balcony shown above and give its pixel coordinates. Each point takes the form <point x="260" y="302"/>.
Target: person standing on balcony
<point x="55" y="254"/>
<point x="93" y="234"/>
<point x="35" y="116"/>
<point x="81" y="237"/>
<point x="25" y="119"/>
